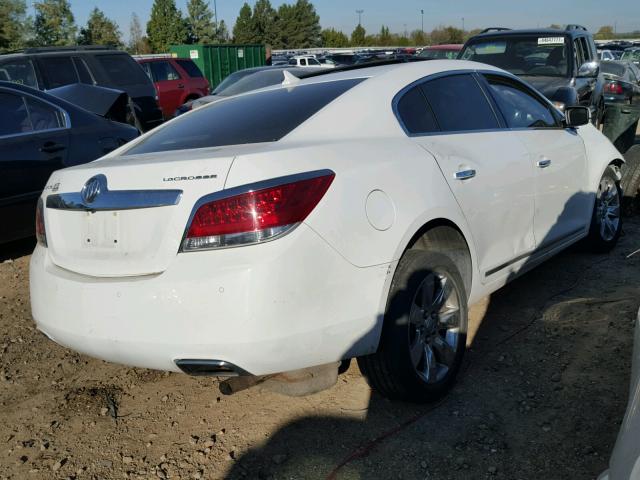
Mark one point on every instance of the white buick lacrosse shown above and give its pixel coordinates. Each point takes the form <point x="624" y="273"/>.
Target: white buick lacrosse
<point x="352" y="214"/>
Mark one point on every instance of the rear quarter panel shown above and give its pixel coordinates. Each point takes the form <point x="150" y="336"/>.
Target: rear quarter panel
<point x="409" y="177"/>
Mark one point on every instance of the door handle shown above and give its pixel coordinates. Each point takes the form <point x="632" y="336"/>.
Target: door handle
<point x="544" y="163"/>
<point x="52" y="147"/>
<point x="180" y="85"/>
<point x="465" y="174"/>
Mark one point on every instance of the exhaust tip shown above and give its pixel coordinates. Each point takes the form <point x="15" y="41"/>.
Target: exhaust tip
<point x="209" y="368"/>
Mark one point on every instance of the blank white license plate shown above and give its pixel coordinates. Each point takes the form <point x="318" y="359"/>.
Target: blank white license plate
<point x="101" y="230"/>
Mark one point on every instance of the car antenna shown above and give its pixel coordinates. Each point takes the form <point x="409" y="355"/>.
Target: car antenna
<point x="289" y="78"/>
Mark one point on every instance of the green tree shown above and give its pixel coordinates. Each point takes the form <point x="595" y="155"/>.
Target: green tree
<point x="605" y="33"/>
<point x="14" y="24"/>
<point x="202" y="28"/>
<point x="137" y="42"/>
<point x="54" y="23"/>
<point x="243" y="31"/>
<point x="222" y="32"/>
<point x="358" y="36"/>
<point x="333" y="38"/>
<point x="385" y="38"/>
<point x="307" y="22"/>
<point x="166" y="26"/>
<point x="447" y="35"/>
<point x="264" y="23"/>
<point x="100" y="30"/>
<point x="418" y="38"/>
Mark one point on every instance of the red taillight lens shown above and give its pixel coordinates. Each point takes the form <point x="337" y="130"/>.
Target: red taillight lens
<point x="41" y="233"/>
<point x="255" y="215"/>
<point x="613" y="87"/>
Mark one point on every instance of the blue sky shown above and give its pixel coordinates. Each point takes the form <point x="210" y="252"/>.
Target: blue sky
<point x="401" y="14"/>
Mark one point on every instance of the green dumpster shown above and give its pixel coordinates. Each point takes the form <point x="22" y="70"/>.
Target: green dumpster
<point x="218" y="61"/>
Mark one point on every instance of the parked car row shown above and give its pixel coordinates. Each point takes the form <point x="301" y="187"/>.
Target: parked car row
<point x="52" y="67"/>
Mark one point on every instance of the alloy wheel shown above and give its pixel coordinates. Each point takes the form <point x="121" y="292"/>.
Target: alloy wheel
<point x="434" y="327"/>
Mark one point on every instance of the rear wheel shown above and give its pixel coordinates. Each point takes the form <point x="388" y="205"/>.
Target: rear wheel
<point x="424" y="332"/>
<point x="606" y="221"/>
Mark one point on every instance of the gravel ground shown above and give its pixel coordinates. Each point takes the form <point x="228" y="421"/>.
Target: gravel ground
<point x="541" y="395"/>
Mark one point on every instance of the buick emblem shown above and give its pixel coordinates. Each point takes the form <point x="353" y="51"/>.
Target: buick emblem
<point x="93" y="188"/>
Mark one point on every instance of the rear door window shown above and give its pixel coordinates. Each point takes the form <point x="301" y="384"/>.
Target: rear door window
<point x="43" y="115"/>
<point x="252" y="118"/>
<point x="14" y="118"/>
<point x="58" y="71"/>
<point x="415" y="114"/>
<point x="191" y="68"/>
<point x="19" y="71"/>
<point x="122" y="70"/>
<point x="459" y="104"/>
<point x="163" y="71"/>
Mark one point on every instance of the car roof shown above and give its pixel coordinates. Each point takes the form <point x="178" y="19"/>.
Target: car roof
<point x="445" y="46"/>
<point x="46" y="51"/>
<point x="159" y="59"/>
<point x="531" y="31"/>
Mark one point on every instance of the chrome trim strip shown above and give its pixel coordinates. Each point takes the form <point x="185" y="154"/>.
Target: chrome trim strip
<point x="251" y="187"/>
<point x="203" y="367"/>
<point x="542" y="249"/>
<point x="115" y="200"/>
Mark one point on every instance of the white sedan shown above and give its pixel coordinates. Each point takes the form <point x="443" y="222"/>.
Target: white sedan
<point x="354" y="214"/>
<point x="625" y="460"/>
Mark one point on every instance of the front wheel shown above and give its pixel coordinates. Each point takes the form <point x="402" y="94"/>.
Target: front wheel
<point x="606" y="220"/>
<point x="424" y="331"/>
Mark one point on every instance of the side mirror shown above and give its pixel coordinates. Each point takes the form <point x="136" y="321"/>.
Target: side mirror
<point x="589" y="69"/>
<point x="576" y="116"/>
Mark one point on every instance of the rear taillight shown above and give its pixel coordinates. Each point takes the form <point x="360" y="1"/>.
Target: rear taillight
<point x="614" y="88"/>
<point x="257" y="213"/>
<point x="41" y="232"/>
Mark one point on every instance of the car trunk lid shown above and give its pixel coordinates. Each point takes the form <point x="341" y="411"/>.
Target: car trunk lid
<point x="136" y="219"/>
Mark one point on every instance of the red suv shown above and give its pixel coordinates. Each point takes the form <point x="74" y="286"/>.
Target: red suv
<point x="177" y="80"/>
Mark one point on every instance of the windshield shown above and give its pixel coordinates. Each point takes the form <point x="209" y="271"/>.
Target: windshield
<point x="633" y="55"/>
<point x="535" y="55"/>
<point x="435" y="54"/>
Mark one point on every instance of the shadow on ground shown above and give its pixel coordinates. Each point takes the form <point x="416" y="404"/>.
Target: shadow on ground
<point x="541" y="393"/>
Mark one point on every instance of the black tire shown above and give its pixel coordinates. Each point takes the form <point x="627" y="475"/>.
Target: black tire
<point x="391" y="370"/>
<point x="630" y="182"/>
<point x="606" y="219"/>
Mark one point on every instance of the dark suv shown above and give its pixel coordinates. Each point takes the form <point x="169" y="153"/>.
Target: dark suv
<point x="562" y="64"/>
<point x="52" y="67"/>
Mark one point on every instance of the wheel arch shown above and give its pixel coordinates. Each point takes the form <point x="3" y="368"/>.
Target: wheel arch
<point x="444" y="236"/>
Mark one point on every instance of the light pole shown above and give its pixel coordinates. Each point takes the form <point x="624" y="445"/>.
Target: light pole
<point x="422" y="15"/>
<point x="462" y="24"/>
<point x="359" y="12"/>
<point x="215" y="13"/>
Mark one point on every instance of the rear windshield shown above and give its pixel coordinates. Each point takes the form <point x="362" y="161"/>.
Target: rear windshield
<point x="191" y="68"/>
<point x="231" y="79"/>
<point x="534" y="55"/>
<point x="122" y="70"/>
<point x="253" y="118"/>
<point x="612" y="68"/>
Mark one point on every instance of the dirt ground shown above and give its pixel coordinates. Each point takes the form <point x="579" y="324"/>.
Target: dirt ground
<point x="541" y="395"/>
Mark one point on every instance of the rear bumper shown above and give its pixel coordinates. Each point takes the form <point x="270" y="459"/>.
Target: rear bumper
<point x="283" y="305"/>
